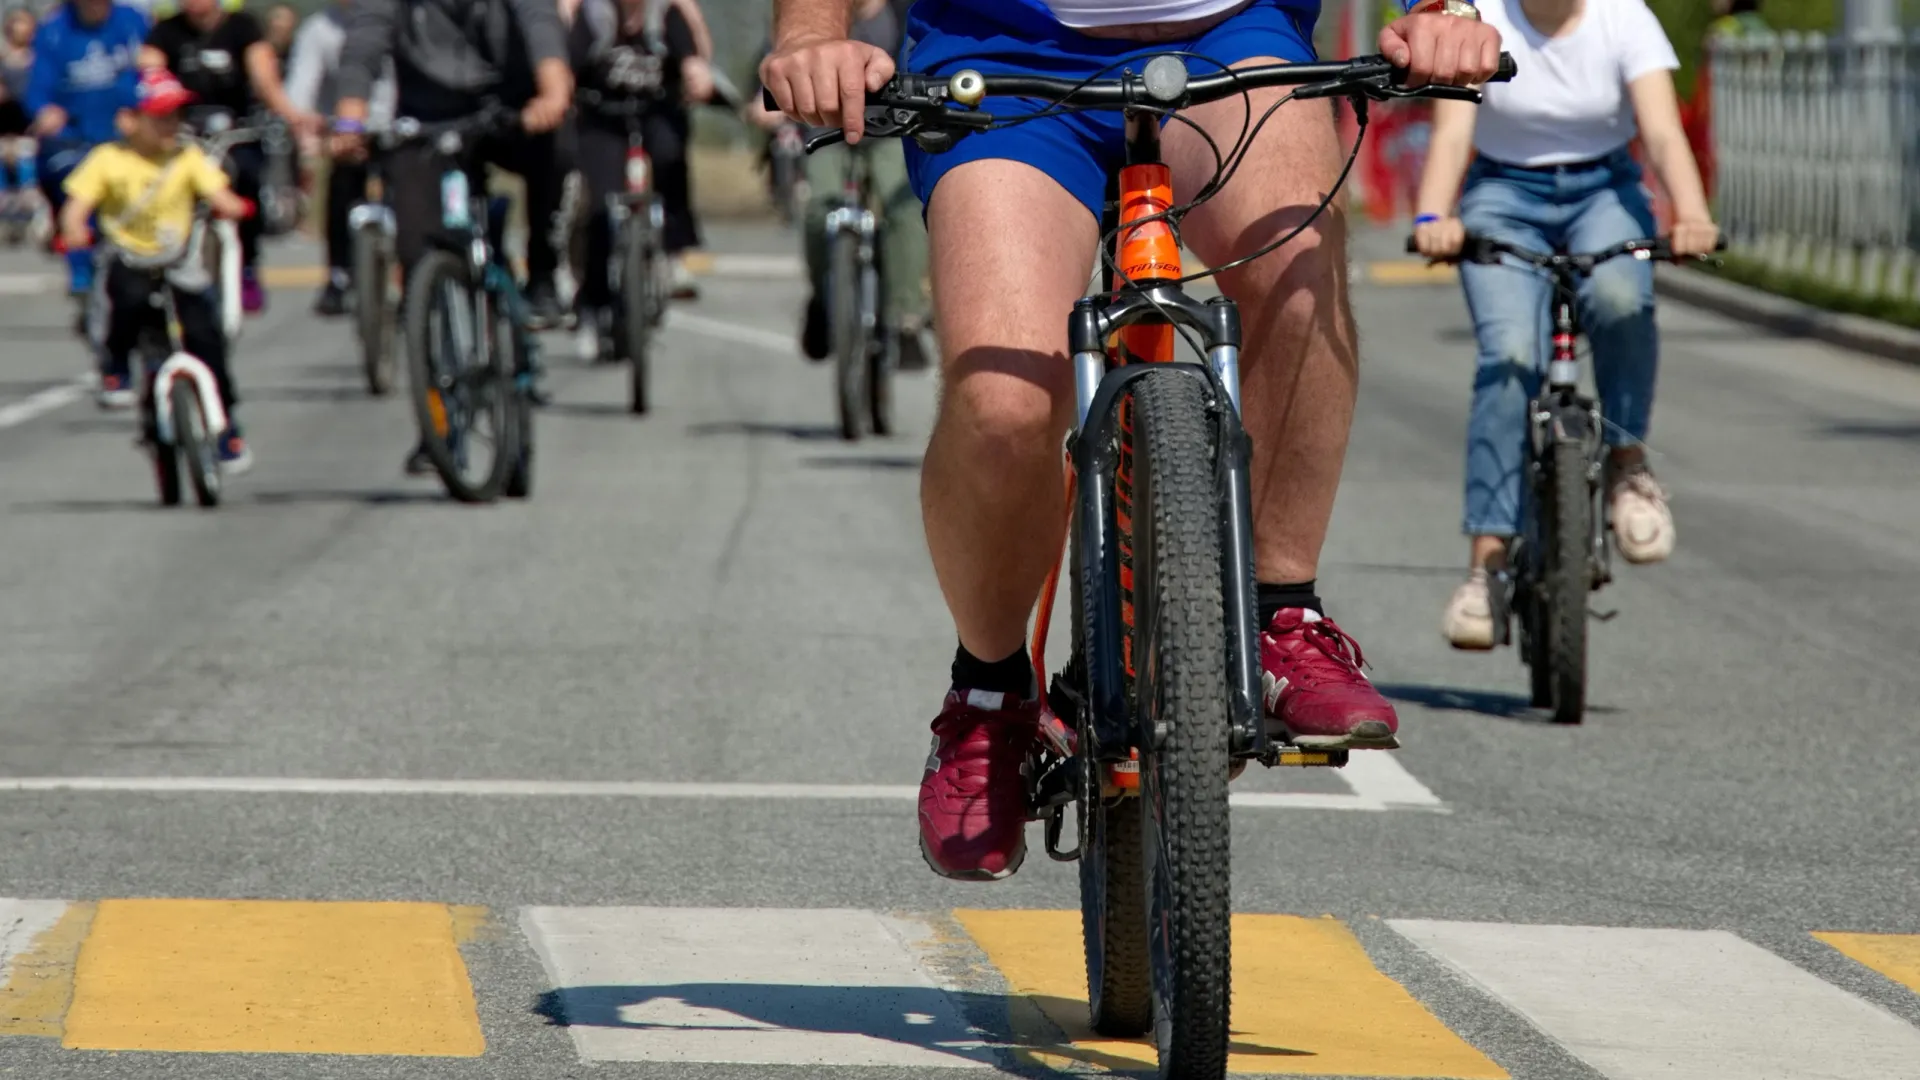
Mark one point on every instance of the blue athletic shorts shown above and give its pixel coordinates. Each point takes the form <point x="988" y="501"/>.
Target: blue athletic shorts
<point x="1079" y="149"/>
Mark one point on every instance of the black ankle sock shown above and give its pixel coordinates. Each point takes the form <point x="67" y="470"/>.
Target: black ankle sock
<point x="1296" y="594"/>
<point x="1013" y="675"/>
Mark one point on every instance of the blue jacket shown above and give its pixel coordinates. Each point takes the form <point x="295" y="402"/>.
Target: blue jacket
<point x="87" y="70"/>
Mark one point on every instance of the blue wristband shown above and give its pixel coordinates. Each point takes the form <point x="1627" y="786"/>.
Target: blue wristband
<point x="347" y="126"/>
<point x="1426" y="219"/>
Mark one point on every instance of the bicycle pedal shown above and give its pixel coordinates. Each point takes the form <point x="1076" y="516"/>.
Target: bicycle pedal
<point x="1284" y="756"/>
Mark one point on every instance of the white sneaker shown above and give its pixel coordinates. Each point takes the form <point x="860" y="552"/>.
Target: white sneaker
<point x="586" y="340"/>
<point x="681" y="280"/>
<point x="1642" y="523"/>
<point x="1468" y="623"/>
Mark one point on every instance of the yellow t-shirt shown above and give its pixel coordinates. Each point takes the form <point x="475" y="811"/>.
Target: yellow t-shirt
<point x="115" y="179"/>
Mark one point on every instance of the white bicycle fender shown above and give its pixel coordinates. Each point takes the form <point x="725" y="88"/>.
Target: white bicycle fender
<point x="374" y="213"/>
<point x="232" y="316"/>
<point x="190" y="367"/>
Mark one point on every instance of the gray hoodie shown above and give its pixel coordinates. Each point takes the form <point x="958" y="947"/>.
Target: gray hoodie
<point x="313" y="69"/>
<point x="448" y="54"/>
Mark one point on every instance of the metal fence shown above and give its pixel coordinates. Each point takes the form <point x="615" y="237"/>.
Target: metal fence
<point x="1818" y="148"/>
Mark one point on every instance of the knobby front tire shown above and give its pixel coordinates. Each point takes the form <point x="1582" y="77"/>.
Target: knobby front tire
<point x="1181" y="695"/>
<point x="1568" y="581"/>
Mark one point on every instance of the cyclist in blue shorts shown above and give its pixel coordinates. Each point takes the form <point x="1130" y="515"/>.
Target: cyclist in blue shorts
<point x="1012" y="219"/>
<point x="83" y="75"/>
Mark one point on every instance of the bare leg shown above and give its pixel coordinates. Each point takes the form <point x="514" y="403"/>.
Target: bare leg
<point x="1300" y="362"/>
<point x="992" y="489"/>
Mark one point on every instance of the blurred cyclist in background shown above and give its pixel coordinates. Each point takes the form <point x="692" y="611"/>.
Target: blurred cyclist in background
<point x="313" y="86"/>
<point x="84" y="72"/>
<point x="223" y="58"/>
<point x="19" y="189"/>
<point x="1548" y="167"/>
<point x="281" y="23"/>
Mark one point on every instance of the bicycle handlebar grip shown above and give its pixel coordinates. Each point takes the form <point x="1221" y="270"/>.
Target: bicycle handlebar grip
<point x="767" y="102"/>
<point x="1507" y="69"/>
<point x="1413" y="246"/>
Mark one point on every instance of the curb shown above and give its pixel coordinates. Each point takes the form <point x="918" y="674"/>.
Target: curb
<point x="1789" y="317"/>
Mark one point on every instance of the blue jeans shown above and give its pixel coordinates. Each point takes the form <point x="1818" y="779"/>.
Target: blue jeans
<point x="1572" y="209"/>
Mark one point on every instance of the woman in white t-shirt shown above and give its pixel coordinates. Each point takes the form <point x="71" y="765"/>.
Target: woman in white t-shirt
<point x="1553" y="173"/>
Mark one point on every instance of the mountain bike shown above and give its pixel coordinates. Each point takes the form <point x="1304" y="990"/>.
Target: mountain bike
<point x="863" y="346"/>
<point x="638" y="270"/>
<point x="1161" y="697"/>
<point x="212" y="130"/>
<point x="181" y="415"/>
<point x="376" y="289"/>
<point x="469" y="352"/>
<point x="1562" y="554"/>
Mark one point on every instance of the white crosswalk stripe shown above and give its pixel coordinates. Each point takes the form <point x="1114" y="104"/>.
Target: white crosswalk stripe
<point x="1641" y="1004"/>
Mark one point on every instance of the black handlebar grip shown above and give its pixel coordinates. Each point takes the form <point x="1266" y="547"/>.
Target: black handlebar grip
<point x="1413" y="246"/>
<point x="766" y="100"/>
<point x="1507" y="69"/>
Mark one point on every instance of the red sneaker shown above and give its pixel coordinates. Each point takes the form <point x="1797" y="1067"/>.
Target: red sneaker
<point x="1315" y="689"/>
<point x="973" y="798"/>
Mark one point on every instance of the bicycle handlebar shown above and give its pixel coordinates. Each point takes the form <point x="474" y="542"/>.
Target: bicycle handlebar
<point x="493" y="117"/>
<point x="911" y="104"/>
<point x="1487" y="251"/>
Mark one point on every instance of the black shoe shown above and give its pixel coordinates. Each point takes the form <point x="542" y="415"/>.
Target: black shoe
<point x="543" y="308"/>
<point x="418" y="463"/>
<point x="813" y="335"/>
<point x="331" y="302"/>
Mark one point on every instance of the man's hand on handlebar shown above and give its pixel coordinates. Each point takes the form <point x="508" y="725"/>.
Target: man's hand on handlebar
<point x="824" y="81"/>
<point x="1440" y="239"/>
<point x="1444" y="50"/>
<point x="1695" y="238"/>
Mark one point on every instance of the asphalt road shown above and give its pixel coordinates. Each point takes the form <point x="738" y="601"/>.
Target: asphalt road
<point x="723" y="593"/>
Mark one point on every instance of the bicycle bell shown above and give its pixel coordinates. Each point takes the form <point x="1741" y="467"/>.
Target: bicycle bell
<point x="967" y="87"/>
<point x="1165" y="79"/>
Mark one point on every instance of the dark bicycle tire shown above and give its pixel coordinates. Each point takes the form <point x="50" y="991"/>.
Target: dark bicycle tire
<point x="166" y="471"/>
<point x="635" y="333"/>
<point x="194" y="442"/>
<point x="1182" y="696"/>
<point x="519" y="483"/>
<point x="373" y="315"/>
<point x="880" y="386"/>
<point x="1569" y="580"/>
<point x="432" y="411"/>
<point x="852" y="367"/>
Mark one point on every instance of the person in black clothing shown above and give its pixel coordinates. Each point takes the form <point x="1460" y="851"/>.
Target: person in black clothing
<point x="224" y="59"/>
<point x="448" y="56"/>
<point x="621" y="50"/>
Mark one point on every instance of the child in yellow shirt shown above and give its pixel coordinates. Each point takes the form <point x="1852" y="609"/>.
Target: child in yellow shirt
<point x="145" y="191"/>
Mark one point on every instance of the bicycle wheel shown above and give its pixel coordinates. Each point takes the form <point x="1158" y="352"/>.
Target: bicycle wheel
<point x="1568" y="581"/>
<point x="461" y="398"/>
<point x="193" y="442"/>
<point x="635" y="335"/>
<point x="519" y="443"/>
<point x="166" y="465"/>
<point x="852" y="366"/>
<point x="1181" y="695"/>
<point x="373" y="312"/>
<point x="885" y="358"/>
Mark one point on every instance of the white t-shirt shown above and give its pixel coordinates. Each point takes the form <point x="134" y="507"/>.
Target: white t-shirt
<point x="1568" y="102"/>
<point x="1087" y="14"/>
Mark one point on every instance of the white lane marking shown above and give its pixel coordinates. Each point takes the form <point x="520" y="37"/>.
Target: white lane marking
<point x="726" y="331"/>
<point x="1675" y="1004"/>
<point x="53" y="397"/>
<point x="747" y="986"/>
<point x="630" y="789"/>
<point x="1379" y="776"/>
<point x="21" y="921"/>
<point x="26" y="284"/>
<point x="751" y="265"/>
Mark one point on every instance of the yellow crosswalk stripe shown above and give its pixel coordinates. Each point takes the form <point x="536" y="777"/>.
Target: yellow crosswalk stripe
<point x="1897" y="956"/>
<point x="39" y="983"/>
<point x="1306" y="1000"/>
<point x="1410" y="272"/>
<point x="269" y="976"/>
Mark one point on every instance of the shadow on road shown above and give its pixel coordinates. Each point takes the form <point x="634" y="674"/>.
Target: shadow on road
<point x="91" y="506"/>
<point x="1873" y="429"/>
<point x="349" y="496"/>
<point x="1492" y="703"/>
<point x="885" y="463"/>
<point x="956" y="1023"/>
<point x="759" y="429"/>
<point x="593" y="410"/>
<point x="304" y="394"/>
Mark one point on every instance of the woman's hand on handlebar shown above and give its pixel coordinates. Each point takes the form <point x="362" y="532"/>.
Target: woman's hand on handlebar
<point x="1694" y="238"/>
<point x="1442" y="50"/>
<point x="824" y="81"/>
<point x="1441" y="239"/>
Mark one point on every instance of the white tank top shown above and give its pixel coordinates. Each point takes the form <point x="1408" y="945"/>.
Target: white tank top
<point x="1081" y="14"/>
